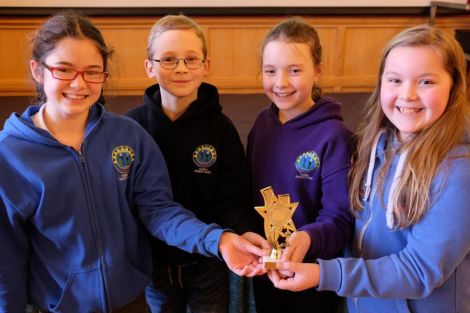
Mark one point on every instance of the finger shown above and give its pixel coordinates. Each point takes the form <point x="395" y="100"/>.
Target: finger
<point x="287" y="254"/>
<point x="285" y="265"/>
<point x="286" y="284"/>
<point x="255" y="250"/>
<point x="274" y="277"/>
<point x="286" y="273"/>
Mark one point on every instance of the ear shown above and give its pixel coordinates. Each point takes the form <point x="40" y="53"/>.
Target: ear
<point x="318" y="70"/>
<point x="37" y="71"/>
<point x="207" y="66"/>
<point x="150" y="68"/>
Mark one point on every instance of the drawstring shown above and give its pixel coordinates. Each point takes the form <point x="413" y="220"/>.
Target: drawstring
<point x="390" y="215"/>
<point x="390" y="212"/>
<point x="370" y="169"/>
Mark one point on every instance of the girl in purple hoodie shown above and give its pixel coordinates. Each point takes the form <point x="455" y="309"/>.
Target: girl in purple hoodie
<point x="299" y="146"/>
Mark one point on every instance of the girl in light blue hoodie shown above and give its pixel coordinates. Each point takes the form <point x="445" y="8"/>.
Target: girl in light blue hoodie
<point x="409" y="188"/>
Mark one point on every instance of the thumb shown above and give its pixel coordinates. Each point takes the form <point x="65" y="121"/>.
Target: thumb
<point x="284" y="265"/>
<point x="255" y="250"/>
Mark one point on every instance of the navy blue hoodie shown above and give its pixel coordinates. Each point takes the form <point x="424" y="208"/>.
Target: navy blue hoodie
<point x="206" y="162"/>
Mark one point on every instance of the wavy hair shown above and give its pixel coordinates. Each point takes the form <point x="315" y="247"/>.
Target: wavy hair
<point x="427" y="148"/>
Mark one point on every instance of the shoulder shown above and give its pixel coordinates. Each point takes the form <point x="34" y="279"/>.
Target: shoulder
<point x="137" y="112"/>
<point x="119" y="123"/>
<point x="263" y="116"/>
<point x="454" y="170"/>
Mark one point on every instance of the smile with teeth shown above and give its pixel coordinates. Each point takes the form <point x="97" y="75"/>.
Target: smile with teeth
<point x="75" y="97"/>
<point x="283" y="94"/>
<point x="409" y="111"/>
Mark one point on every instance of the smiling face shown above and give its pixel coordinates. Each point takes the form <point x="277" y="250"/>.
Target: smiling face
<point x="415" y="88"/>
<point x="66" y="99"/>
<point x="288" y="77"/>
<point x="178" y="85"/>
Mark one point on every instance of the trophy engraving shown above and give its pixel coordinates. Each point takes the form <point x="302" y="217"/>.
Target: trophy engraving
<point x="278" y="225"/>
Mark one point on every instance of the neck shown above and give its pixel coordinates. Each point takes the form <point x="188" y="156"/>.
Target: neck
<point x="69" y="130"/>
<point x="174" y="107"/>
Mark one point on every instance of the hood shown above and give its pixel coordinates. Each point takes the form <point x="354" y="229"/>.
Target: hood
<point x="22" y="126"/>
<point x="326" y="108"/>
<point x="207" y="102"/>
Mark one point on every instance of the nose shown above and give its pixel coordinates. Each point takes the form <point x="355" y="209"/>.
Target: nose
<point x="281" y="80"/>
<point x="78" y="81"/>
<point x="408" y="91"/>
<point x="181" y="66"/>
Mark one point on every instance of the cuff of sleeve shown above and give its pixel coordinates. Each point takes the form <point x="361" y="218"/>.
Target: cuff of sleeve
<point x="212" y="240"/>
<point x="310" y="256"/>
<point x="330" y="275"/>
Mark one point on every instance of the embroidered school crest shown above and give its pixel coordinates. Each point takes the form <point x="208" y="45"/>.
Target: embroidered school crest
<point x="306" y="163"/>
<point x="204" y="157"/>
<point x="122" y="157"/>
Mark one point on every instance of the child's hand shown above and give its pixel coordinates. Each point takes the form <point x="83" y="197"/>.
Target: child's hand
<point x="297" y="246"/>
<point x="258" y="241"/>
<point x="305" y="276"/>
<point x="240" y="255"/>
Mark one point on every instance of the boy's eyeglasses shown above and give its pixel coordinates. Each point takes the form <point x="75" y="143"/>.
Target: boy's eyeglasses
<point x="65" y="73"/>
<point x="171" y="63"/>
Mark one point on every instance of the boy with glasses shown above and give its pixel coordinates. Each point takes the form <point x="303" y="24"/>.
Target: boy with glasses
<point x="205" y="159"/>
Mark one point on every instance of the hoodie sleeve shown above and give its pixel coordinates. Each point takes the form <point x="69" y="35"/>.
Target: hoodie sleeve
<point x="332" y="229"/>
<point x="435" y="247"/>
<point x="14" y="245"/>
<point x="164" y="218"/>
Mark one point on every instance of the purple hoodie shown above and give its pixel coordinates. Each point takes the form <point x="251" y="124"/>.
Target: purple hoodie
<point x="308" y="157"/>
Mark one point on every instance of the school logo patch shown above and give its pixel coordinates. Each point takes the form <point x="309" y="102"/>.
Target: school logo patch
<point x="306" y="163"/>
<point x="122" y="157"/>
<point x="204" y="157"/>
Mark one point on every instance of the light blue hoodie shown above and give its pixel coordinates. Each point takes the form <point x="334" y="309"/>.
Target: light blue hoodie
<point x="424" y="268"/>
<point x="72" y="225"/>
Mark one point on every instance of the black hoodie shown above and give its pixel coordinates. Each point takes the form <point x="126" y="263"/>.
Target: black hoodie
<point x="206" y="162"/>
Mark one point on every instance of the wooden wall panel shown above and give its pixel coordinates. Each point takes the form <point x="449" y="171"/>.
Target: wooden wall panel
<point x="352" y="47"/>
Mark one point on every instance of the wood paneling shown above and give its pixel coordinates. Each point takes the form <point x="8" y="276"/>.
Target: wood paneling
<point x="352" y="47"/>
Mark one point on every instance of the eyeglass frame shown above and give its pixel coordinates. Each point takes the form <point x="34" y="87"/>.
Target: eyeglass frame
<point x="53" y="68"/>
<point x="178" y="62"/>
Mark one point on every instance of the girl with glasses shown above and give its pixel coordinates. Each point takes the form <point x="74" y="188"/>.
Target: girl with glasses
<point x="81" y="187"/>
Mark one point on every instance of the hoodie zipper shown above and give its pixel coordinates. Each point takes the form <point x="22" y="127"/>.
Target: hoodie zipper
<point x="94" y="225"/>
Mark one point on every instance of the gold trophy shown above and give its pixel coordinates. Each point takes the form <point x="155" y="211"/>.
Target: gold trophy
<point x="278" y="225"/>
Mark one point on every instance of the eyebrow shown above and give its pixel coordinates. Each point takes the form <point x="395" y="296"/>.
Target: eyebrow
<point x="93" y="66"/>
<point x="170" y="52"/>
<point x="419" y="75"/>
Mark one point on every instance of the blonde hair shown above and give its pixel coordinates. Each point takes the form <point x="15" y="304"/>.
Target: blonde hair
<point x="296" y="30"/>
<point x="428" y="148"/>
<point x="172" y="22"/>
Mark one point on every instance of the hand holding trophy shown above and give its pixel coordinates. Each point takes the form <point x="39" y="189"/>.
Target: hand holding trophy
<point x="278" y="225"/>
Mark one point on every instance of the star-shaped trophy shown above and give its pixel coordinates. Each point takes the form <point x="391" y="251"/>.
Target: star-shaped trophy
<point x="278" y="225"/>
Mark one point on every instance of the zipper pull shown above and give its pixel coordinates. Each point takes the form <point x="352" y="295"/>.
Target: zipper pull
<point x="80" y="156"/>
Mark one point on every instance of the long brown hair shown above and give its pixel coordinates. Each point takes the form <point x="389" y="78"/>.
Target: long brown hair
<point x="428" y="148"/>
